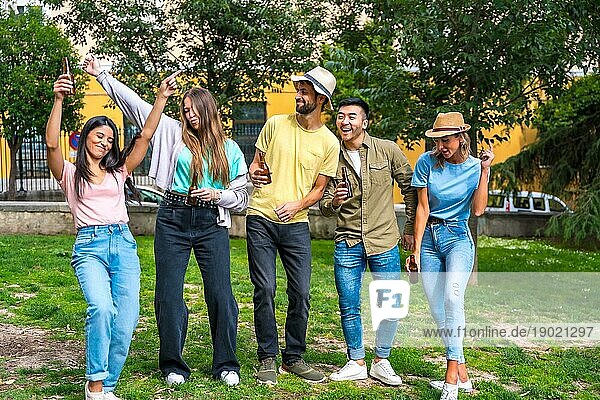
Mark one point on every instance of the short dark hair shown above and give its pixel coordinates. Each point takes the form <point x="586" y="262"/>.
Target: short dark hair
<point x="355" y="101"/>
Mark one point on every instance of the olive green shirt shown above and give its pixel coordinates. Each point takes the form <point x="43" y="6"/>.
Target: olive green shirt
<point x="369" y="216"/>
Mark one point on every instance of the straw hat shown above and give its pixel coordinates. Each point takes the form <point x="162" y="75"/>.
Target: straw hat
<point x="448" y="124"/>
<point x="322" y="80"/>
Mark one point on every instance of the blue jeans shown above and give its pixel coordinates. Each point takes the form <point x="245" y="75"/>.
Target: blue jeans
<point x="349" y="264"/>
<point x="264" y="239"/>
<point x="447" y="254"/>
<point x="107" y="267"/>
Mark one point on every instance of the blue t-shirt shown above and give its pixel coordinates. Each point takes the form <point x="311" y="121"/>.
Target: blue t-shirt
<point x="182" y="179"/>
<point x="450" y="189"/>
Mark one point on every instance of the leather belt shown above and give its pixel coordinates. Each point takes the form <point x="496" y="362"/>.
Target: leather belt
<point x="178" y="199"/>
<point x="435" y="221"/>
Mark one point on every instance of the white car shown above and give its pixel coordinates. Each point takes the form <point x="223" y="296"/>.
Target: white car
<point x="534" y="202"/>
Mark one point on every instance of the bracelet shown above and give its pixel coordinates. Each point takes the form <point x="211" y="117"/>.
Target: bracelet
<point x="216" y="195"/>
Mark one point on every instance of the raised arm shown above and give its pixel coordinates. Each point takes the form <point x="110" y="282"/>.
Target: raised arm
<point x="166" y="89"/>
<point x="133" y="106"/>
<point x="55" y="158"/>
<point x="480" y="197"/>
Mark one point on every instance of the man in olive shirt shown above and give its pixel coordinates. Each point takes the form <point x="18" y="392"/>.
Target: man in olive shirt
<point x="367" y="232"/>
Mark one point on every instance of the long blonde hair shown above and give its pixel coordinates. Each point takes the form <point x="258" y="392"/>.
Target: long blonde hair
<point x="207" y="144"/>
<point x="464" y="149"/>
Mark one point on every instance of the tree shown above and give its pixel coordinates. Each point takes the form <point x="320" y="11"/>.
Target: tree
<point x="490" y="60"/>
<point x="565" y="158"/>
<point x="31" y="52"/>
<point x="234" y="48"/>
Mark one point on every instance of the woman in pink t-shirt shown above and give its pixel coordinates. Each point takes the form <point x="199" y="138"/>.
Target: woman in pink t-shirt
<point x="105" y="257"/>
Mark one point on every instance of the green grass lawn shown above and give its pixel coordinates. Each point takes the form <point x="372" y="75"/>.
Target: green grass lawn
<point x="38" y="289"/>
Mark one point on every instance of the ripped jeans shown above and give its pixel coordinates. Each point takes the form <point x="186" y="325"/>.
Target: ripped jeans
<point x="447" y="254"/>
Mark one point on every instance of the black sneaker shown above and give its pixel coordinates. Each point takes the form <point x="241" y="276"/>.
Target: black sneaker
<point x="267" y="372"/>
<point x="303" y="370"/>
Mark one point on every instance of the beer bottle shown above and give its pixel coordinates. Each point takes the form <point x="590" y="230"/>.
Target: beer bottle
<point x="413" y="269"/>
<point x="66" y="70"/>
<point x="346" y="181"/>
<point x="263" y="165"/>
<point x="191" y="200"/>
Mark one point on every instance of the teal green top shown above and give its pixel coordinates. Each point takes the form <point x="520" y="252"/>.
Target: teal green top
<point x="183" y="178"/>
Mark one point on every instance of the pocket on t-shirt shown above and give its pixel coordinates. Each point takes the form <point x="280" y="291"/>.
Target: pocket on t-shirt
<point x="380" y="172"/>
<point x="310" y="160"/>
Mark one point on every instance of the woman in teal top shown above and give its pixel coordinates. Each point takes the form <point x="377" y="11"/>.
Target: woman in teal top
<point x="193" y="149"/>
<point x="450" y="182"/>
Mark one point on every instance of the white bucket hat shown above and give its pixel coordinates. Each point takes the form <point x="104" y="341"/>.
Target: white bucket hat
<point x="448" y="124"/>
<point x="322" y="80"/>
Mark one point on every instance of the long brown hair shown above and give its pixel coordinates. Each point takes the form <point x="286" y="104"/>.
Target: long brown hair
<point x="464" y="149"/>
<point x="207" y="144"/>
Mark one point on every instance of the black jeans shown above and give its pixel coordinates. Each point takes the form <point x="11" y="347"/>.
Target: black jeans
<point x="179" y="229"/>
<point x="265" y="238"/>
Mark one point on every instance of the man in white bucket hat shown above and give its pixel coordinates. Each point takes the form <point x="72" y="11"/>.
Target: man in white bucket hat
<point x="302" y="155"/>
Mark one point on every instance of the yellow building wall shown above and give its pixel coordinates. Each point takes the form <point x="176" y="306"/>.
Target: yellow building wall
<point x="279" y="100"/>
<point x="4" y="158"/>
<point x="94" y="104"/>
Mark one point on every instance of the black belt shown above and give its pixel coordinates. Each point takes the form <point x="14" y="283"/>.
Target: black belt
<point x="178" y="199"/>
<point x="435" y="221"/>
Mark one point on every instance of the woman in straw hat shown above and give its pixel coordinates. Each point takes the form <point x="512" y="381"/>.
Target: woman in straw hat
<point x="450" y="183"/>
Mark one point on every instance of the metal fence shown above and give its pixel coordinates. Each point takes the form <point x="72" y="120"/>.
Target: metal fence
<point x="32" y="169"/>
<point x="33" y="173"/>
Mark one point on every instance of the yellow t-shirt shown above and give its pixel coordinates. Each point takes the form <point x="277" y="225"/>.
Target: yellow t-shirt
<point x="296" y="157"/>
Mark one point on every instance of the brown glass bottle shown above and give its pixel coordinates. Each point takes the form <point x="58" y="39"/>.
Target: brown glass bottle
<point x="66" y="70"/>
<point x="264" y="166"/>
<point x="413" y="270"/>
<point x="346" y="181"/>
<point x="191" y="200"/>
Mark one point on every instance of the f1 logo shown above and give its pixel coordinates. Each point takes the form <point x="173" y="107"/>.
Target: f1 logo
<point x="389" y="300"/>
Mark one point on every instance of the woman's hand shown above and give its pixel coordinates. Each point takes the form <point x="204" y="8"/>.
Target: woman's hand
<point x="91" y="65"/>
<point x="417" y="261"/>
<point x="207" y="194"/>
<point x="486" y="157"/>
<point x="168" y="85"/>
<point x="62" y="87"/>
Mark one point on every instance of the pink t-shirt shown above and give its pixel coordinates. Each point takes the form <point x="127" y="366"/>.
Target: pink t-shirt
<point x="101" y="204"/>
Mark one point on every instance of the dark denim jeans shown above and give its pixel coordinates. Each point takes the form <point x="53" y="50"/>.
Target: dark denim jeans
<point x="265" y="238"/>
<point x="179" y="229"/>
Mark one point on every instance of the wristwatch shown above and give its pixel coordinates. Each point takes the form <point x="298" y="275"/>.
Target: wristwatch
<point x="217" y="196"/>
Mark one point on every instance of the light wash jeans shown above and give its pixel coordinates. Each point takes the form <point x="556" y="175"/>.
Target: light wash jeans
<point x="349" y="264"/>
<point x="107" y="266"/>
<point x="447" y="253"/>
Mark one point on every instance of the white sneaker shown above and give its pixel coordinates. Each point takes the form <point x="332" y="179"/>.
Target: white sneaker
<point x="466" y="386"/>
<point x="449" y="392"/>
<point x="230" y="378"/>
<point x="110" y="396"/>
<point x="174" y="379"/>
<point x="92" y="395"/>
<point x="352" y="371"/>
<point x="384" y="372"/>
